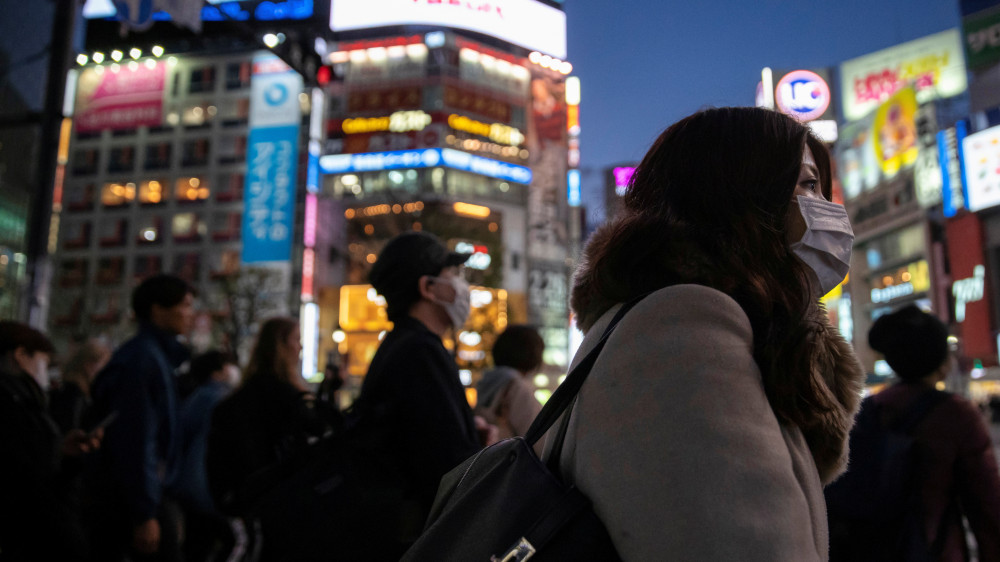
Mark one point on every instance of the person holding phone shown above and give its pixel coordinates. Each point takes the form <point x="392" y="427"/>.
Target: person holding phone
<point x="38" y="517"/>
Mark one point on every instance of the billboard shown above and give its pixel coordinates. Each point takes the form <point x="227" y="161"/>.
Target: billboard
<point x="803" y="94"/>
<point x="527" y="23"/>
<point x="982" y="38"/>
<point x="934" y="65"/>
<point x="981" y="156"/>
<point x="120" y="96"/>
<point x="272" y="158"/>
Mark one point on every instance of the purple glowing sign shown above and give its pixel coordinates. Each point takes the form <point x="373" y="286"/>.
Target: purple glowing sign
<point x="622" y="175"/>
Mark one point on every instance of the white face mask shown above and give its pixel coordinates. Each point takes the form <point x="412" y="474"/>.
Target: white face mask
<point x="458" y="309"/>
<point x="826" y="245"/>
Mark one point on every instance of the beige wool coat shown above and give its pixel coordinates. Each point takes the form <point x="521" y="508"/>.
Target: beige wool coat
<point x="673" y="439"/>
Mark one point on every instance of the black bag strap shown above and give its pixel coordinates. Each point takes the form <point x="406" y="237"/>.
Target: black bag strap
<point x="564" y="395"/>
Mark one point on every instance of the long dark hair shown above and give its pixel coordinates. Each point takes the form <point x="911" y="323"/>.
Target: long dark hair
<point x="266" y="359"/>
<point x="708" y="205"/>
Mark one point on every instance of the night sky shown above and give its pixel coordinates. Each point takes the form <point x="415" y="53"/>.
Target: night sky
<point x="645" y="64"/>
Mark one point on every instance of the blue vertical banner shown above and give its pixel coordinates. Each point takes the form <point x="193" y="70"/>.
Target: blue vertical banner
<point x="272" y="158"/>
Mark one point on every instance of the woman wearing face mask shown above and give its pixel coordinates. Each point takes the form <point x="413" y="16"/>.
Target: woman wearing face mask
<point x="722" y="402"/>
<point x="412" y="401"/>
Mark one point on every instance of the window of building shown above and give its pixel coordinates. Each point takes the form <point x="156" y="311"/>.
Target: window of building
<point x="110" y="271"/>
<point x="76" y="235"/>
<point x="202" y="80"/>
<point x="198" y="115"/>
<point x="158" y="155"/>
<point x="112" y="232"/>
<point x="73" y="272"/>
<point x="186" y="228"/>
<point x="230" y="187"/>
<point x="116" y="194"/>
<point x="226" y="225"/>
<point x="187" y="266"/>
<point x="122" y="159"/>
<point x="234" y="112"/>
<point x="225" y="263"/>
<point x="67" y="311"/>
<point x="189" y="190"/>
<point x="80" y="197"/>
<point x="232" y="149"/>
<point x="151" y="192"/>
<point x="107" y="307"/>
<point x="238" y="75"/>
<point x="195" y="152"/>
<point x="149" y="231"/>
<point x="85" y="161"/>
<point x="146" y="266"/>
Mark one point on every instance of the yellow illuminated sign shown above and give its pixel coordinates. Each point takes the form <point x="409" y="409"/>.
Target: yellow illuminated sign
<point x="496" y="132"/>
<point x="398" y="122"/>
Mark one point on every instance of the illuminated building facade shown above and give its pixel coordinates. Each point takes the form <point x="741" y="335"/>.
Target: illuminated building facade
<point x="454" y="120"/>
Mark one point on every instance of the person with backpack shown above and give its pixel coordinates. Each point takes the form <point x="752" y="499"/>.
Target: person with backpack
<point x="504" y="395"/>
<point x="921" y="460"/>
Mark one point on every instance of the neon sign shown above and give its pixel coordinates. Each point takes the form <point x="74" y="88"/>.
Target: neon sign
<point x="398" y="122"/>
<point x="497" y="132"/>
<point x="426" y="158"/>
<point x="968" y="290"/>
<point x="221" y="10"/>
<point x="802" y="94"/>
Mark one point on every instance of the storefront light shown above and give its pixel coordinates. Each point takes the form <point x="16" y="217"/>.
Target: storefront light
<point x="81" y="59"/>
<point x="135" y="52"/>
<point x="98" y="57"/>
<point x="157" y="51"/>
<point x="116" y="55"/>
<point x="339" y="336"/>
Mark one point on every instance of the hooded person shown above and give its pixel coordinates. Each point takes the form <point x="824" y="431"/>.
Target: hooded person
<point x="412" y="396"/>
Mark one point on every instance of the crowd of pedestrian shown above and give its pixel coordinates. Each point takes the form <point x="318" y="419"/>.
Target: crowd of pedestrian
<point x="716" y="413"/>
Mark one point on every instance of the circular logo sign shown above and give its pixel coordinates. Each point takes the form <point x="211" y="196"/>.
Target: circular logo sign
<point x="802" y="94"/>
<point x="276" y="94"/>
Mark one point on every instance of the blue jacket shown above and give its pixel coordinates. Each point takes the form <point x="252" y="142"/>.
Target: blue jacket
<point x="195" y="421"/>
<point x="140" y="452"/>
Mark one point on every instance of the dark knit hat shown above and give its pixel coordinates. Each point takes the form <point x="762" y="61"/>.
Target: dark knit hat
<point x="403" y="261"/>
<point x="913" y="342"/>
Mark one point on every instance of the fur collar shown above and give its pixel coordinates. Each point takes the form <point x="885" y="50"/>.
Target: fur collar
<point x="835" y="372"/>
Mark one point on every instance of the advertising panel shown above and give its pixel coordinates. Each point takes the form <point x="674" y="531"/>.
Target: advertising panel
<point x="385" y="99"/>
<point x="272" y="157"/>
<point x="220" y="10"/>
<point x="972" y="301"/>
<point x="949" y="152"/>
<point x="935" y="65"/>
<point x="982" y="38"/>
<point x="981" y="155"/>
<point x="120" y="96"/>
<point x="527" y="23"/>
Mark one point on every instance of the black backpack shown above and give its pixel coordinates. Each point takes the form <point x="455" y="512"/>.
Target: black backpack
<point x="874" y="509"/>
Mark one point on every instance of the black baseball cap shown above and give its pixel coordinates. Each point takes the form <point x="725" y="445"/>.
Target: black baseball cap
<point x="404" y="260"/>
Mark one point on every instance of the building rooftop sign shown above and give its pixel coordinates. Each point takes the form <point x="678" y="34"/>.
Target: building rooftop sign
<point x="528" y="23"/>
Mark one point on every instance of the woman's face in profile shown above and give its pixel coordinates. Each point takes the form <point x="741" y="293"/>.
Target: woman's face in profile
<point x="808" y="185"/>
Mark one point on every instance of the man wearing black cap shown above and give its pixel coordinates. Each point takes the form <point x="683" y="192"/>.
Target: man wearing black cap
<point x="412" y="392"/>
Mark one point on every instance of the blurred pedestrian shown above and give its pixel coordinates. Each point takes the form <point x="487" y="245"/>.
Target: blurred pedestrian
<point x="213" y="375"/>
<point x="134" y="513"/>
<point x="412" y="394"/>
<point x="39" y="520"/>
<point x="504" y="395"/>
<point x="70" y="398"/>
<point x="955" y="472"/>
<point x="263" y="425"/>
<point x="721" y="404"/>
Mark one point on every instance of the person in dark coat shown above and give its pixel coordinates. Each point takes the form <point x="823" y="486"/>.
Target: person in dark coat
<point x="133" y="512"/>
<point x="70" y="399"/>
<point x="412" y="392"/>
<point x="38" y="517"/>
<point x="213" y="376"/>
<point x="261" y="430"/>
<point x="958" y="475"/>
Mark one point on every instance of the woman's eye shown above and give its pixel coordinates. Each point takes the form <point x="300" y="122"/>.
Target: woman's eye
<point x="811" y="185"/>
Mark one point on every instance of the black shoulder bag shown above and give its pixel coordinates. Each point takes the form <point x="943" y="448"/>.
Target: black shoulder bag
<point x="505" y="505"/>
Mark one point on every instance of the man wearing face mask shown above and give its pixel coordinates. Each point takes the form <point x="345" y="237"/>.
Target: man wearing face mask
<point x="38" y="520"/>
<point x="412" y="392"/>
